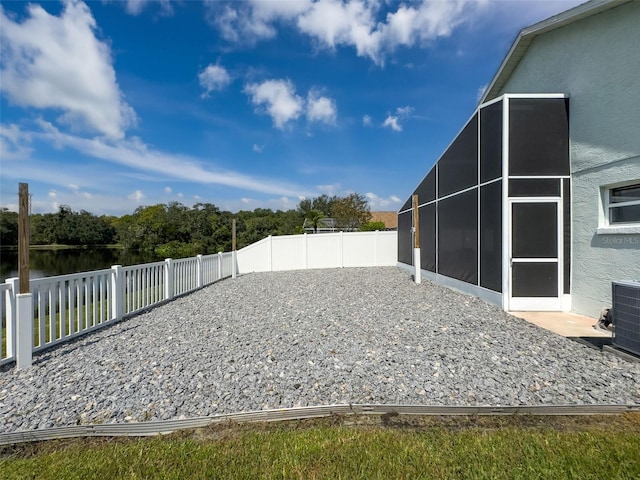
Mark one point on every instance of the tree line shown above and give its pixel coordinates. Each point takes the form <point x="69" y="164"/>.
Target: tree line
<point x="175" y="230"/>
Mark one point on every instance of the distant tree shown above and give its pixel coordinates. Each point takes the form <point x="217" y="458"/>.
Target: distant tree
<point x="372" y="226"/>
<point x="67" y="227"/>
<point x="8" y="227"/>
<point x="289" y="222"/>
<point x="351" y="212"/>
<point x="42" y="228"/>
<point x="323" y="203"/>
<point x="314" y="217"/>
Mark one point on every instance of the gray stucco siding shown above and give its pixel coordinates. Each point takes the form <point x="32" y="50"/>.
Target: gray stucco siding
<point x="600" y="259"/>
<point x="596" y="62"/>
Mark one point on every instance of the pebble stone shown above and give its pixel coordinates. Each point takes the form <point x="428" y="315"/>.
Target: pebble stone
<point x="315" y="337"/>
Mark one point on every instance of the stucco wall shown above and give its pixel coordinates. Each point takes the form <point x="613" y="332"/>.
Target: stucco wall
<point x="595" y="61"/>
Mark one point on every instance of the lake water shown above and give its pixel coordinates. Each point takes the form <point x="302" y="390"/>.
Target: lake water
<point x="47" y="263"/>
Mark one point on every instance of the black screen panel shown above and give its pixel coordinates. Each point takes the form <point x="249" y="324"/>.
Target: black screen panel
<point x="458" y="237"/>
<point x="458" y="167"/>
<point x="405" y="239"/>
<point x="491" y="142"/>
<point x="534" y="187"/>
<point x="491" y="236"/>
<point x="535" y="279"/>
<point x="428" y="237"/>
<point x="566" y="212"/>
<point x="426" y="191"/>
<point x="538" y="136"/>
<point x="407" y="205"/>
<point x="534" y="230"/>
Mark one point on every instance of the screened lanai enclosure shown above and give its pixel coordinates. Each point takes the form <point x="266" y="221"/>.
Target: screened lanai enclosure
<point x="494" y="211"/>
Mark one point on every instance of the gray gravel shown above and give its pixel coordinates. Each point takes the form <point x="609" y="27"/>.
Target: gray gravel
<point x="309" y="338"/>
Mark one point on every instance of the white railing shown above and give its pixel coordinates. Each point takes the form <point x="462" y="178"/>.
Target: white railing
<point x="66" y="306"/>
<point x="63" y="307"/>
<point x="323" y="250"/>
<point x="7" y="319"/>
<point x="140" y="286"/>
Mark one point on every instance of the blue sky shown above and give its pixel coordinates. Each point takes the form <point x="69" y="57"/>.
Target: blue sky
<point x="107" y="106"/>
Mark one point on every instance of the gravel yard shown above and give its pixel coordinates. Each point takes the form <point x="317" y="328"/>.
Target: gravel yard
<point x="316" y="337"/>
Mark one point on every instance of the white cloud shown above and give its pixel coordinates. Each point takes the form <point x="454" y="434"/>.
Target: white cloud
<point x="245" y="200"/>
<point x="332" y="23"/>
<point x="237" y="25"/>
<point x="167" y="190"/>
<point x="180" y="195"/>
<point x="329" y="189"/>
<point x="404" y="112"/>
<point x="258" y="148"/>
<point x="59" y="63"/>
<point x="418" y="23"/>
<point x="392" y="123"/>
<point x="321" y="109"/>
<point x="366" y="121"/>
<point x="278" y="98"/>
<point x="376" y="202"/>
<point x="481" y="91"/>
<point x="138" y="156"/>
<point x="75" y="190"/>
<point x="137" y="196"/>
<point x="249" y="22"/>
<point x="135" y="7"/>
<point x="361" y="24"/>
<point x="214" y="78"/>
<point x="52" y="193"/>
<point x="14" y="143"/>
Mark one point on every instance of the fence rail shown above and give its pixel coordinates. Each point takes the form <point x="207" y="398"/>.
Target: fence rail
<point x="63" y="307"/>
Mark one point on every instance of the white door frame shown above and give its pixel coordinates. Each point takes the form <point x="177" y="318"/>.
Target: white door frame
<point x="536" y="303"/>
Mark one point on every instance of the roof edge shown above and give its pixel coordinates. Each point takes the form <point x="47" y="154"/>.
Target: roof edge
<point x="528" y="34"/>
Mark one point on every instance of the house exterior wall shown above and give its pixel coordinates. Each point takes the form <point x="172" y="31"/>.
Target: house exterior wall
<point x="594" y="61"/>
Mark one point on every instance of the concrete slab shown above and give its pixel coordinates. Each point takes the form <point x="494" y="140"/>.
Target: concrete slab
<point x="564" y="323"/>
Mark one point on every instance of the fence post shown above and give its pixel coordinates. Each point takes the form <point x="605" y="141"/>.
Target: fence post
<point x="24" y="330"/>
<point x="270" y="253"/>
<point x="341" y="249"/>
<point x="416" y="240"/>
<point x="117" y="292"/>
<point x="11" y="315"/>
<point x="219" y="265"/>
<point x="199" y="272"/>
<point x="375" y="248"/>
<point x="168" y="279"/>
<point x="306" y="251"/>
<point x="234" y="265"/>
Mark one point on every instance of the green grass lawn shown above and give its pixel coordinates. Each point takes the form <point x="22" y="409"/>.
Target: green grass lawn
<point x="597" y="447"/>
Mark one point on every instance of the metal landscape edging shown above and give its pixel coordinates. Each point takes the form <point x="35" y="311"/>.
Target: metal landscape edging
<point x="159" y="427"/>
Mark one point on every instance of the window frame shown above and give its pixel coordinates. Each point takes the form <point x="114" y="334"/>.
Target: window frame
<point x="606" y="207"/>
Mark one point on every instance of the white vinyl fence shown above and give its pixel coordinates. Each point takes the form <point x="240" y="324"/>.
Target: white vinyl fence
<point x="63" y="307"/>
<point x="325" y="250"/>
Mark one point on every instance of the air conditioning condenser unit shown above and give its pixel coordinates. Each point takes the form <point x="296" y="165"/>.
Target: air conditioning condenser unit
<point x="626" y="316"/>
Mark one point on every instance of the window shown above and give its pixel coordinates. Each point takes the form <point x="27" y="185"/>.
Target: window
<point x="624" y="205"/>
<point x="620" y="209"/>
